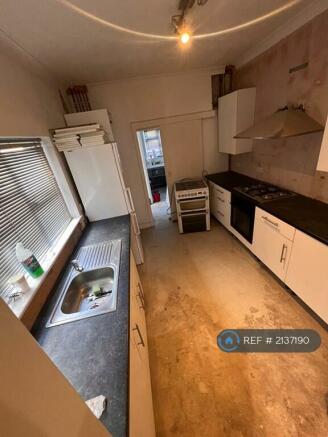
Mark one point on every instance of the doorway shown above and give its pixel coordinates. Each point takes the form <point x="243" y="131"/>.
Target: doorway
<point x="151" y="151"/>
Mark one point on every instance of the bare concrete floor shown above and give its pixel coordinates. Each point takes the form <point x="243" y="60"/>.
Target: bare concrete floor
<point x="196" y="285"/>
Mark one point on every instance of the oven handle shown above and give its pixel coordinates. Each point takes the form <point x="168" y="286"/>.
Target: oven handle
<point x="194" y="213"/>
<point x="196" y="210"/>
<point x="192" y="199"/>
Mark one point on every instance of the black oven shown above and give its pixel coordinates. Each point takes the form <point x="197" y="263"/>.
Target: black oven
<point x="242" y="215"/>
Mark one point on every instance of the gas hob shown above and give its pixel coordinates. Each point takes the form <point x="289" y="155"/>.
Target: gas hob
<point x="263" y="192"/>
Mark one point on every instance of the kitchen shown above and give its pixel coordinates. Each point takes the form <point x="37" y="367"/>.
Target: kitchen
<point x="258" y="262"/>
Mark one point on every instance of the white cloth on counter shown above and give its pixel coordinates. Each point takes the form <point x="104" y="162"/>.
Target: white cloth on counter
<point x="97" y="405"/>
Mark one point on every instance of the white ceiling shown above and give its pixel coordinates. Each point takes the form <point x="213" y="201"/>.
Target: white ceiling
<point x="80" y="49"/>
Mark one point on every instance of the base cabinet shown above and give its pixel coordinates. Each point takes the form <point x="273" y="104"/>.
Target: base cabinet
<point x="307" y="273"/>
<point x="141" y="419"/>
<point x="220" y="204"/>
<point x="272" y="242"/>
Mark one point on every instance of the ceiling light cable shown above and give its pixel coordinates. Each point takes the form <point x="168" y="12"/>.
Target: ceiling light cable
<point x="235" y="28"/>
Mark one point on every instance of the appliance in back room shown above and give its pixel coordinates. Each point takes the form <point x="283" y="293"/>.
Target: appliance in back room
<point x="192" y="204"/>
<point x="98" y="175"/>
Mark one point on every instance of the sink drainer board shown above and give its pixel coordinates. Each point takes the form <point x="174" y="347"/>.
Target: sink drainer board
<point x="78" y="298"/>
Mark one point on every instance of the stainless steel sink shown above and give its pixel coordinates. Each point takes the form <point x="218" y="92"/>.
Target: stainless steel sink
<point x="92" y="291"/>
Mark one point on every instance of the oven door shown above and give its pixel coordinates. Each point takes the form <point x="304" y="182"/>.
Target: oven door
<point x="242" y="215"/>
<point x="192" y="204"/>
<point x="193" y="221"/>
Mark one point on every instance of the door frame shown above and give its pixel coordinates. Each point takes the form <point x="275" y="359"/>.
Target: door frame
<point x="156" y="124"/>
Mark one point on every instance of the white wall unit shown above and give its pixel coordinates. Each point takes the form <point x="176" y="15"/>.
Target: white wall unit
<point x="235" y="114"/>
<point x="100" y="116"/>
<point x="36" y="399"/>
<point x="97" y="180"/>
<point x="220" y="204"/>
<point x="272" y="242"/>
<point x="323" y="157"/>
<point x="98" y="177"/>
<point x="141" y="420"/>
<point x="307" y="273"/>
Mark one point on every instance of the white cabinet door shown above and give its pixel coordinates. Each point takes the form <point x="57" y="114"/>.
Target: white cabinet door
<point x="220" y="204"/>
<point x="307" y="273"/>
<point x="141" y="419"/>
<point x="235" y="114"/>
<point x="98" y="182"/>
<point x="269" y="243"/>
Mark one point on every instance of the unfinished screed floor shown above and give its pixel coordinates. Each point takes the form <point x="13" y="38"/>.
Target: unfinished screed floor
<point x="196" y="285"/>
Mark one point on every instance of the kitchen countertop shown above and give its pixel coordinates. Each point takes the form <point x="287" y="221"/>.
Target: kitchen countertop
<point x="230" y="179"/>
<point x="308" y="215"/>
<point x="93" y="353"/>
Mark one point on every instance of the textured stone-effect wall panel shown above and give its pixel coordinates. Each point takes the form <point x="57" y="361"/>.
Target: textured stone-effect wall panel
<point x="291" y="162"/>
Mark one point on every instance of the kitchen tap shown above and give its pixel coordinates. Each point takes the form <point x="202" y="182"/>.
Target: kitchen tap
<point x="75" y="263"/>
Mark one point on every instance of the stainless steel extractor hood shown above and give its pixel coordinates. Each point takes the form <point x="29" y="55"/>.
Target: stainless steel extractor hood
<point x="284" y="123"/>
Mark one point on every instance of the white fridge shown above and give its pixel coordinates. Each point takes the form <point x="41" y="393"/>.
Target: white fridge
<point x="98" y="176"/>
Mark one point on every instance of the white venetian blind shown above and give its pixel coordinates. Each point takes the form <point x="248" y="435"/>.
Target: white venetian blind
<point x="32" y="209"/>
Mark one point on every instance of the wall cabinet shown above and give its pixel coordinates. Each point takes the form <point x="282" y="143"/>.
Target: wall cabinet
<point x="220" y="204"/>
<point x="235" y="114"/>
<point x="272" y="242"/>
<point x="307" y="273"/>
<point x="141" y="419"/>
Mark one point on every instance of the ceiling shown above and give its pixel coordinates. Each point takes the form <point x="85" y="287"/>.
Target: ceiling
<point x="81" y="48"/>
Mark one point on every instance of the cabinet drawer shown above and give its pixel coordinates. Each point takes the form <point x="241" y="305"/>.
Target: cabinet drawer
<point x="222" y="194"/>
<point x="274" y="223"/>
<point x="220" y="203"/>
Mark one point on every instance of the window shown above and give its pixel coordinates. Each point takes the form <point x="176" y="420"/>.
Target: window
<point x="153" y="147"/>
<point x="32" y="209"/>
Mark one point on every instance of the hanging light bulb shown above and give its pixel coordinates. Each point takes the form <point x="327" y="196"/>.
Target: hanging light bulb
<point x="185" y="37"/>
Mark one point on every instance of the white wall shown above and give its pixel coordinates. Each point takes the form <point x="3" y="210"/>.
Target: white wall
<point x="29" y="103"/>
<point x="156" y="97"/>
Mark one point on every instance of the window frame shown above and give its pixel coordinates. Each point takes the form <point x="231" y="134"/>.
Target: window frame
<point x="70" y="197"/>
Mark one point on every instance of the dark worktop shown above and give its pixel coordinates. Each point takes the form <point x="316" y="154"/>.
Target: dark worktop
<point x="93" y="353"/>
<point x="229" y="179"/>
<point x="308" y="215"/>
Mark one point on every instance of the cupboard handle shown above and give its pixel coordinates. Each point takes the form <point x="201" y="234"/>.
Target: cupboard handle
<point x="141" y="291"/>
<point x="220" y="199"/>
<point x="141" y="342"/>
<point x="221" y="213"/>
<point x="283" y="255"/>
<point x="141" y="296"/>
<point x="141" y="301"/>
<point x="220" y="191"/>
<point x="135" y="223"/>
<point x="270" y="221"/>
<point x="131" y="205"/>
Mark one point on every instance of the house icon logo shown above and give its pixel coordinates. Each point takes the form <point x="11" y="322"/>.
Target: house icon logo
<point x="228" y="340"/>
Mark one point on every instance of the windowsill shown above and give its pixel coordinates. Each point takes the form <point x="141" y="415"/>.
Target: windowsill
<point x="19" y="306"/>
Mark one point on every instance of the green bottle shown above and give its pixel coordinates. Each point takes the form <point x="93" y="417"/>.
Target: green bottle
<point x="28" y="261"/>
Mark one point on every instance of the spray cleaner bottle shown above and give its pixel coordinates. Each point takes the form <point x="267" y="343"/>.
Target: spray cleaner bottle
<point x="28" y="261"/>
